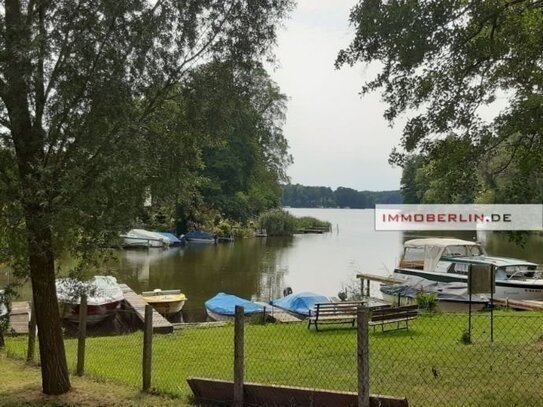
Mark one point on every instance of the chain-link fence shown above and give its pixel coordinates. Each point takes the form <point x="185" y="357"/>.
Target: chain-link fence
<point x="438" y="360"/>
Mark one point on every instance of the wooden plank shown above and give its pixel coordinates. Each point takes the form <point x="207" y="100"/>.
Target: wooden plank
<point x="214" y="324"/>
<point x="278" y="314"/>
<point x="137" y="303"/>
<point x="19" y="318"/>
<point x="219" y="392"/>
<point x="380" y="279"/>
<point x="527" y="305"/>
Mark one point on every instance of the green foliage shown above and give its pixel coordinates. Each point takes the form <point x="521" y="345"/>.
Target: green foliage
<point x="277" y="222"/>
<point x="427" y="301"/>
<point x="309" y="222"/>
<point x="450" y="62"/>
<point x="300" y="196"/>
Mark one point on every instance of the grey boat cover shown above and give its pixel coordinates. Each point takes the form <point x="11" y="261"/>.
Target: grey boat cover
<point x="456" y="291"/>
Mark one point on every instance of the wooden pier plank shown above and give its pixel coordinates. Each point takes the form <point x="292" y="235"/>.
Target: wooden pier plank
<point x="278" y="314"/>
<point x="137" y="303"/>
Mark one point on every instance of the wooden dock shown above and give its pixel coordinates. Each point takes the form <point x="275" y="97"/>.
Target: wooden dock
<point x="526" y="305"/>
<point x="137" y="303"/>
<point x="19" y="317"/>
<point x="278" y="314"/>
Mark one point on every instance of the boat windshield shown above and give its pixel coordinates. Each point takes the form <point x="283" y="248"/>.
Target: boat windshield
<point x="519" y="272"/>
<point x="463" y="251"/>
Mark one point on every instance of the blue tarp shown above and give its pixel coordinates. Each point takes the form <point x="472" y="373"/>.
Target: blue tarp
<point x="225" y="304"/>
<point x="300" y="303"/>
<point x="171" y="237"/>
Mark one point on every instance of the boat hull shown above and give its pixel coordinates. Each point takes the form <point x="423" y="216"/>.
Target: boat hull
<point x="95" y="313"/>
<point x="168" y="308"/>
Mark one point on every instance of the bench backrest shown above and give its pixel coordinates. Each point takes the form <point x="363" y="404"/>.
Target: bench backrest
<point x="406" y="311"/>
<point x="336" y="308"/>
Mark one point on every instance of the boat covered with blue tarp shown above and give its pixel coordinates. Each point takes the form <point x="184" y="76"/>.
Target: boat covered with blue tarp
<point x="223" y="306"/>
<point x="300" y="303"/>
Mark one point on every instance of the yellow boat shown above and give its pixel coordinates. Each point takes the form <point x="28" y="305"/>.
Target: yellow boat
<point x="166" y="302"/>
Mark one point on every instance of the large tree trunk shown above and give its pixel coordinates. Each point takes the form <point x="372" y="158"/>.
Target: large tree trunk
<point x="55" y="378"/>
<point x="29" y="146"/>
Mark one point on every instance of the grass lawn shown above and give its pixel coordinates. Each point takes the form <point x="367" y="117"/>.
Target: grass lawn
<point x="428" y="364"/>
<point x="21" y="386"/>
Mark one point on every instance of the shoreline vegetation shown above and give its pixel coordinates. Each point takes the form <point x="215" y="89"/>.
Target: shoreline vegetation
<point x="278" y="222"/>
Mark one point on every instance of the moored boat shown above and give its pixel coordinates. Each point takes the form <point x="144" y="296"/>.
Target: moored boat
<point x="197" y="236"/>
<point x="172" y="240"/>
<point x="300" y="304"/>
<point x="449" y="261"/>
<point x="104" y="297"/>
<point x="141" y="238"/>
<point x="222" y="307"/>
<point x="166" y="302"/>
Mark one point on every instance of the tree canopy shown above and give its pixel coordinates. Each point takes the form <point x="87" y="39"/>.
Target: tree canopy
<point x="301" y="196"/>
<point x="80" y="138"/>
<point x="469" y="77"/>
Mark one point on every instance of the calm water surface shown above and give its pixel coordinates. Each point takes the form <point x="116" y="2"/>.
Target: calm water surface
<point x="262" y="267"/>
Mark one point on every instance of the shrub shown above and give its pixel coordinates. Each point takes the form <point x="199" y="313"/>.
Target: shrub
<point x="427" y="301"/>
<point x="277" y="222"/>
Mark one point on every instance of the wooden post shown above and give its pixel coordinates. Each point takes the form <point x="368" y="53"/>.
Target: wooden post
<point x="147" y="347"/>
<point x="238" y="356"/>
<point x="363" y="357"/>
<point x="82" y="335"/>
<point x="31" y="335"/>
<point x="368" y="288"/>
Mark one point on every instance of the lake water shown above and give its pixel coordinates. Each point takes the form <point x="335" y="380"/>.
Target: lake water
<point x="262" y="267"/>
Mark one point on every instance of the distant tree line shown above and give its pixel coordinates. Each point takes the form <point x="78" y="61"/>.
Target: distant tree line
<point x="301" y="196"/>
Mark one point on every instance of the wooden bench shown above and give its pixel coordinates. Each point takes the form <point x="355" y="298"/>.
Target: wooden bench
<point x="335" y="313"/>
<point x="393" y="315"/>
<point x="345" y="312"/>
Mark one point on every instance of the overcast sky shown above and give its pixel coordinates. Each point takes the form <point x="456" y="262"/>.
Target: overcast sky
<point x="337" y="138"/>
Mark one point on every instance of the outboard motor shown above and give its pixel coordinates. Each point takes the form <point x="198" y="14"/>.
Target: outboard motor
<point x="287" y="291"/>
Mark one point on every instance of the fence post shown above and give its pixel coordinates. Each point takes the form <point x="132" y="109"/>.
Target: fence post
<point x="363" y="357"/>
<point x="82" y="335"/>
<point x="31" y="335"/>
<point x="147" y="347"/>
<point x="238" y="356"/>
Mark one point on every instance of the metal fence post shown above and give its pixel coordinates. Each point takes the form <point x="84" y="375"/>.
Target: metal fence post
<point x="238" y="356"/>
<point x="363" y="357"/>
<point x="82" y="335"/>
<point x="147" y="348"/>
<point x="31" y="335"/>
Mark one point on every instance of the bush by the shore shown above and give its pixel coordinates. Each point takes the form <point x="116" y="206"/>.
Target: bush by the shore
<point x="278" y="222"/>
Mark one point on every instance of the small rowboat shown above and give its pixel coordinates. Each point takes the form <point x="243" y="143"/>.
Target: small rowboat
<point x="166" y="302"/>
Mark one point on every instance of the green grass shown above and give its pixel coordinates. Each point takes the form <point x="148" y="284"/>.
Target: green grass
<point x="428" y="364"/>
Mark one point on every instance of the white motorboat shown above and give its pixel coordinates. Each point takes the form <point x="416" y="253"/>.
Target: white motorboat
<point x="449" y="261"/>
<point x="104" y="297"/>
<point x="166" y="302"/>
<point x="141" y="238"/>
